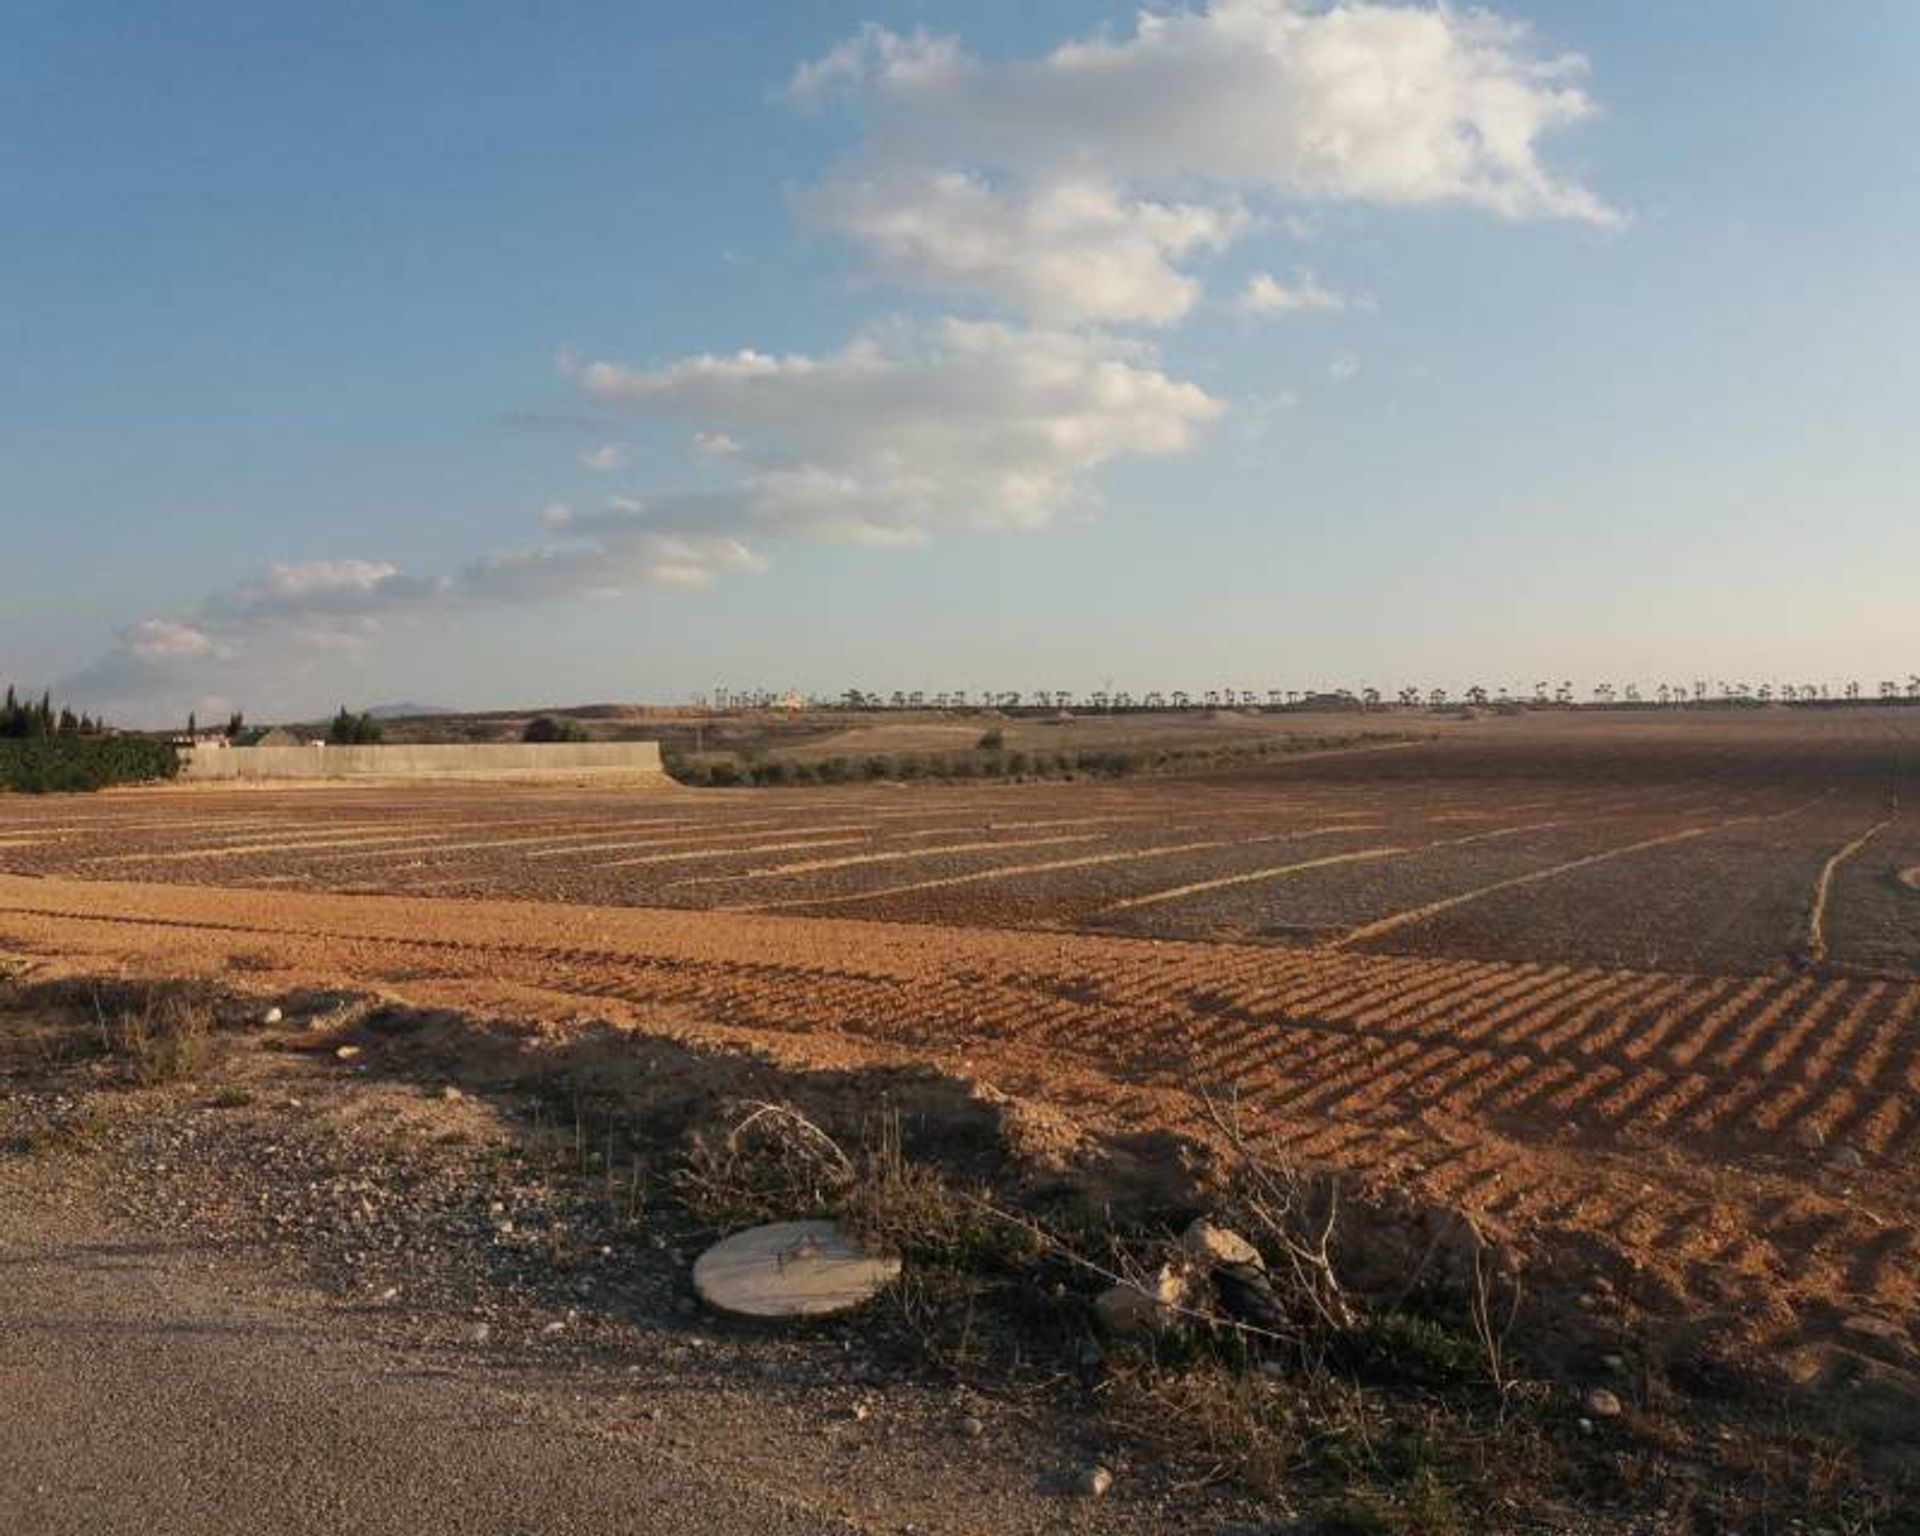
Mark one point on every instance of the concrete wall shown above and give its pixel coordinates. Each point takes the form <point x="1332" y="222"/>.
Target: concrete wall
<point x="506" y="760"/>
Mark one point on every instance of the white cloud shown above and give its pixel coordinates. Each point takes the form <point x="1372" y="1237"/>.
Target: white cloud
<point x="874" y="50"/>
<point x="1267" y="295"/>
<point x="604" y="555"/>
<point x="317" y="591"/>
<point x="968" y="422"/>
<point x="1061" y="186"/>
<point x="163" y="640"/>
<point x="714" y="446"/>
<point x="1061" y="252"/>
<point x="1344" y="366"/>
<point x="316" y="578"/>
<point x="606" y="458"/>
<point x="1353" y="102"/>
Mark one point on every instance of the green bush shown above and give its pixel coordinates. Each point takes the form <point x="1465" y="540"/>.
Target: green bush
<point x="64" y="764"/>
<point x="545" y="728"/>
<point x="992" y="741"/>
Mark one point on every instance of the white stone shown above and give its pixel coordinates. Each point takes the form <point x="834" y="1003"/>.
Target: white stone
<point x="1207" y="1244"/>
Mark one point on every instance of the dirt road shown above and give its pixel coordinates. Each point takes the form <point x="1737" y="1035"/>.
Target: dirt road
<point x="147" y="1387"/>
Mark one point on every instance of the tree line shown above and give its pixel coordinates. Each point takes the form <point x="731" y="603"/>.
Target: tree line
<point x="28" y="719"/>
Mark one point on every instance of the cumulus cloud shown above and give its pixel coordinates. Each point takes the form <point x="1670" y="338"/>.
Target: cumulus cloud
<point x="908" y="428"/>
<point x="162" y="640"/>
<point x="606" y="458"/>
<point x="1045" y="184"/>
<point x="316" y="591"/>
<point x="714" y="446"/>
<point x="1066" y="251"/>
<point x="603" y="554"/>
<point x="251" y="636"/>
<point x="1267" y="295"/>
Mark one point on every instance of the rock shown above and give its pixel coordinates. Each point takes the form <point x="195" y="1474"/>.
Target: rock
<point x="1602" y="1404"/>
<point x="1846" y="1160"/>
<point x="1126" y="1312"/>
<point x="345" y="1052"/>
<point x="1208" y="1245"/>
<point x="272" y="1016"/>
<point x="479" y="1333"/>
<point x="451" y="1094"/>
<point x="1132" y="1311"/>
<point x="1245" y="1293"/>
<point x="1094" y="1482"/>
<point x="972" y="1427"/>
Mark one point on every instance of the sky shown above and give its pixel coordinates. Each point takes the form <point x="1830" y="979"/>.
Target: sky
<point x="483" y="354"/>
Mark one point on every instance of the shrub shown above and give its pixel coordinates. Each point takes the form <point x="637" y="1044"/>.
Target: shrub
<point x="545" y="728"/>
<point x="993" y="740"/>
<point x="162" y="1031"/>
<point x="723" y="774"/>
<point x="682" y="769"/>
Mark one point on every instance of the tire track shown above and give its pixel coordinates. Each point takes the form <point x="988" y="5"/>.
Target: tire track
<point x="1823" y="885"/>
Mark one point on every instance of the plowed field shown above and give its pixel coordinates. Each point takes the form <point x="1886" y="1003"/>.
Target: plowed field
<point x="1652" y="984"/>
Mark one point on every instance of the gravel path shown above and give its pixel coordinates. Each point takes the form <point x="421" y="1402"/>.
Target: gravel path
<point x="146" y="1386"/>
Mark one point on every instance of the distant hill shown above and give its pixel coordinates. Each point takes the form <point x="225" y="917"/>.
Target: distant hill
<point x="409" y="711"/>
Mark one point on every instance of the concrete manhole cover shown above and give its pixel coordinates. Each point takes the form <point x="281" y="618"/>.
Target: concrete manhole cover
<point x="791" y="1269"/>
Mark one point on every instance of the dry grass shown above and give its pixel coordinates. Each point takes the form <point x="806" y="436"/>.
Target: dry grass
<point x="161" y="1031"/>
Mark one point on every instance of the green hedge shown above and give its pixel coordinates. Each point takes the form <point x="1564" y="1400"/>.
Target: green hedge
<point x="62" y="764"/>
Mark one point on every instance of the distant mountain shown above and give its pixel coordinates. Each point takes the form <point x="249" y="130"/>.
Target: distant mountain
<point x="408" y="711"/>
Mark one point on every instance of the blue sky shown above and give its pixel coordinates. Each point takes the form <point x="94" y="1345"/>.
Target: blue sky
<point x="1262" y="346"/>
